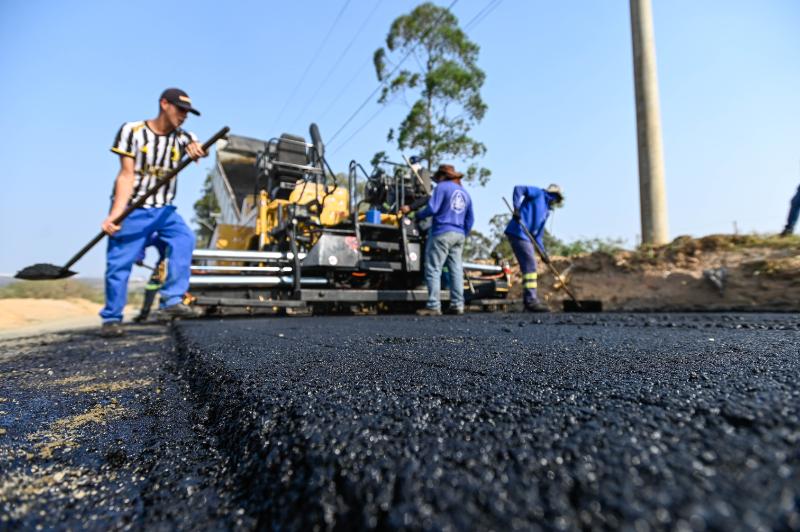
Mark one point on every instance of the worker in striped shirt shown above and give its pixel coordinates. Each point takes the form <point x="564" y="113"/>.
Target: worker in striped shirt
<point x="148" y="150"/>
<point x="532" y="206"/>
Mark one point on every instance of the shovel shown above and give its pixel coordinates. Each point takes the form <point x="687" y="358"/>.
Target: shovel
<point x="569" y="306"/>
<point x="41" y="272"/>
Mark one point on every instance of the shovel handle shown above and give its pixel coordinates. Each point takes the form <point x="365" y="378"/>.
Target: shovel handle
<point x="138" y="203"/>
<point x="546" y="261"/>
<point x="414" y="170"/>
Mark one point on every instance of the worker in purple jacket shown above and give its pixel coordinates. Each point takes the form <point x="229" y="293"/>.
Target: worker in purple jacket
<point x="451" y="209"/>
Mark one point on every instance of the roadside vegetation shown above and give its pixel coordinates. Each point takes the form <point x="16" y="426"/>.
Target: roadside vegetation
<point x="62" y="289"/>
<point x="480" y="246"/>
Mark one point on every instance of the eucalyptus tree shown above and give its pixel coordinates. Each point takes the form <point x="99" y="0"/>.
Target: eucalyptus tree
<point x="429" y="60"/>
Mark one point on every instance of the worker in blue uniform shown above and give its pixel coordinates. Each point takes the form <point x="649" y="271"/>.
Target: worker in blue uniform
<point x="794" y="213"/>
<point x="450" y="207"/>
<point x="532" y="206"/>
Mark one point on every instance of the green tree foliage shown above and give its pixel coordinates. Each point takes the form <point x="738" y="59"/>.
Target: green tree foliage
<point x="554" y="246"/>
<point x="500" y="245"/>
<point x="444" y="81"/>
<point x="204" y="208"/>
<point x="477" y="246"/>
<point x="582" y="245"/>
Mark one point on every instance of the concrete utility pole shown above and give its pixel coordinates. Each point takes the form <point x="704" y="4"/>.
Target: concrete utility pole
<point x="652" y="189"/>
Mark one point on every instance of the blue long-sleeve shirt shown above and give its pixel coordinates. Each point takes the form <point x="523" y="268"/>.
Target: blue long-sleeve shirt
<point x="532" y="203"/>
<point x="451" y="208"/>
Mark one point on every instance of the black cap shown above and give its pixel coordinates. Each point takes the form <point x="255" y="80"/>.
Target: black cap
<point x="180" y="99"/>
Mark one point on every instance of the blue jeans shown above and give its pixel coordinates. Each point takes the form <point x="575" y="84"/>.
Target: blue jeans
<point x="124" y="248"/>
<point x="526" y="256"/>
<point x="440" y="250"/>
<point x="794" y="211"/>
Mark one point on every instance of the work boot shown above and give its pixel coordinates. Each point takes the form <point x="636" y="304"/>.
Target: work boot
<point x="536" y="306"/>
<point x="456" y="311"/>
<point x="786" y="232"/>
<point x="111" y="329"/>
<point x="429" y="312"/>
<point x="178" y="310"/>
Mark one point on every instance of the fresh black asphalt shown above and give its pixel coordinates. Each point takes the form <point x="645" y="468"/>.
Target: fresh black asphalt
<point x="686" y="422"/>
<point x="105" y="435"/>
<point x="487" y="421"/>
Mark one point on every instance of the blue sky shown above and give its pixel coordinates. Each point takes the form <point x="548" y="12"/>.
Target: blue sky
<point x="559" y="89"/>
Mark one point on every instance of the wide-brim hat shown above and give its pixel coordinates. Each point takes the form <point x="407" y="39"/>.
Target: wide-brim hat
<point x="447" y="171"/>
<point x="555" y="190"/>
<point x="179" y="98"/>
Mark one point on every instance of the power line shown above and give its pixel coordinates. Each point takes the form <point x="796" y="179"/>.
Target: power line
<point x="321" y="84"/>
<point x="357" y="131"/>
<point x="395" y="69"/>
<point x="482" y="14"/>
<point x="313" y="60"/>
<point x="344" y="89"/>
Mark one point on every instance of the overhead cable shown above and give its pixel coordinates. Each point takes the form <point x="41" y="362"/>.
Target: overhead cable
<point x="313" y="60"/>
<point x="333" y="68"/>
<point x="395" y="69"/>
<point x="482" y="14"/>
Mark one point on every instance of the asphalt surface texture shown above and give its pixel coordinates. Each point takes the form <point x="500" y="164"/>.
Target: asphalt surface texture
<point x="105" y="435"/>
<point x="507" y="422"/>
<point x="484" y="421"/>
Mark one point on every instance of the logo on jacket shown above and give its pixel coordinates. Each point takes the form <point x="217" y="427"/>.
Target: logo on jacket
<point x="458" y="203"/>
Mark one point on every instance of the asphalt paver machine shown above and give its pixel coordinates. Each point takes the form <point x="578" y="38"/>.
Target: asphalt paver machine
<point x="293" y="236"/>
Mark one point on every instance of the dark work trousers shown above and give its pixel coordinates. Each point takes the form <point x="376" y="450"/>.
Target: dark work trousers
<point x="526" y="256"/>
<point x="794" y="212"/>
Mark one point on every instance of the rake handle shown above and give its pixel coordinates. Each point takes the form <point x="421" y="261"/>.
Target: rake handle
<point x="138" y="203"/>
<point x="544" y="259"/>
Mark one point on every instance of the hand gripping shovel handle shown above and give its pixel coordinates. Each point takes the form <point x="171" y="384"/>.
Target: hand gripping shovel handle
<point x="416" y="174"/>
<point x="138" y="203"/>
<point x="544" y="258"/>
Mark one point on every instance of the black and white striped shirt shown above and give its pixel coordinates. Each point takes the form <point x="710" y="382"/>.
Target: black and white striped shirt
<point x="154" y="155"/>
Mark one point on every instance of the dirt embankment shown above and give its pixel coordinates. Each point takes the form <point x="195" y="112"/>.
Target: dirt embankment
<point x="717" y="272"/>
<point x="24" y="312"/>
<point x="27" y="316"/>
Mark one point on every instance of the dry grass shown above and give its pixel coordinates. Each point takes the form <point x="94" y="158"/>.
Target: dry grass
<point x="685" y="246"/>
<point x="62" y="289"/>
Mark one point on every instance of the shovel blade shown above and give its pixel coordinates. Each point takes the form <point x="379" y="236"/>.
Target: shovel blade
<point x="583" y="305"/>
<point x="44" y="272"/>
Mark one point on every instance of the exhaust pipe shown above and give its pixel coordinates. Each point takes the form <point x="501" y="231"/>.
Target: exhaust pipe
<point x="243" y="256"/>
<point x="252" y="280"/>
<point x="483" y="268"/>
<point x="239" y="269"/>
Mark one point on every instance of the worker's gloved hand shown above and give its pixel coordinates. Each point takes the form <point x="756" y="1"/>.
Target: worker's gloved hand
<point x="516" y="214"/>
<point x="545" y="257"/>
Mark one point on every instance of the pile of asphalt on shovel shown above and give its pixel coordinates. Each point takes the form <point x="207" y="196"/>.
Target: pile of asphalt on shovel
<point x="504" y="422"/>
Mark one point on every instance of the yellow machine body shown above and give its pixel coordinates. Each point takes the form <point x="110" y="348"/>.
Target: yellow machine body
<point x="334" y="201"/>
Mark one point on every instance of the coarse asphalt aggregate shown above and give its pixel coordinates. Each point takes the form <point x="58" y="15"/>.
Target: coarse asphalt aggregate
<point x="100" y="434"/>
<point x="505" y="421"/>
